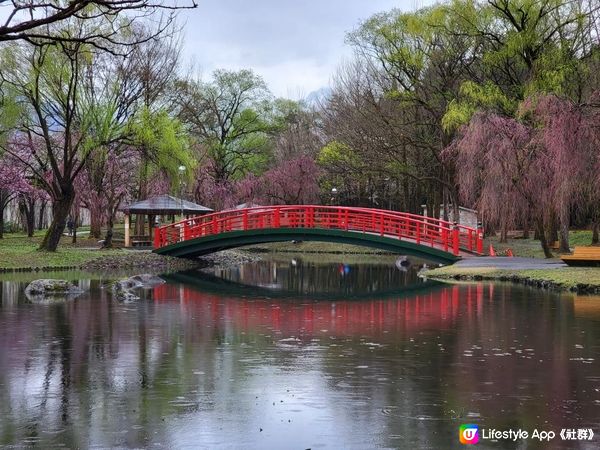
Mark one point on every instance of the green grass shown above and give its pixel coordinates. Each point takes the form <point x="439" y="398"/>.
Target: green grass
<point x="331" y="258"/>
<point x="20" y="252"/>
<point x="568" y="277"/>
<point x="313" y="247"/>
<point x="565" y="278"/>
<point x="530" y="248"/>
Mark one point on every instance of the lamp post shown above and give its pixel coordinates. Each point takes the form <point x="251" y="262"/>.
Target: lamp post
<point x="181" y="171"/>
<point x="334" y="193"/>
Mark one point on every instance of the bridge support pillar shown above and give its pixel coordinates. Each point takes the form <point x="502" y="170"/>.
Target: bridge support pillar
<point x="455" y="240"/>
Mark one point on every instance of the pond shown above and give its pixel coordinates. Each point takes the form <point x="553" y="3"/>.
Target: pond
<point x="297" y="352"/>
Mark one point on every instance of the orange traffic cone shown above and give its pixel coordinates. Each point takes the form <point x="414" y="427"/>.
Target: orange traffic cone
<point x="492" y="251"/>
<point x="509" y="252"/>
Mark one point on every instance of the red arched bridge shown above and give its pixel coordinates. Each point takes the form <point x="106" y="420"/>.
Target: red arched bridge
<point x="399" y="232"/>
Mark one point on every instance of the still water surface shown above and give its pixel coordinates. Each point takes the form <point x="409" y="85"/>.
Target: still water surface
<point x="296" y="354"/>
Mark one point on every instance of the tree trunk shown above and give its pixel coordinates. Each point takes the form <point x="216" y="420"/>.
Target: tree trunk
<point x="27" y="208"/>
<point x="3" y="203"/>
<point x="553" y="230"/>
<point x="110" y="223"/>
<point x="445" y="205"/>
<point x="543" y="241"/>
<point x="109" y="234"/>
<point x="143" y="194"/>
<point x="1" y="221"/>
<point x="60" y="211"/>
<point x="75" y="217"/>
<point x="151" y="225"/>
<point x="595" y="233"/>
<point x="406" y="193"/>
<point x="564" y="230"/>
<point x="42" y="213"/>
<point x="30" y="219"/>
<point x="504" y="232"/>
<point x="455" y="205"/>
<point x="564" y="239"/>
<point x="5" y="197"/>
<point x="95" y="224"/>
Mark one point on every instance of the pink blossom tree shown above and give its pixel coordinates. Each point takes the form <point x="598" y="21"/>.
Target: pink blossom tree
<point x="215" y="193"/>
<point x="529" y="171"/>
<point x="294" y="181"/>
<point x="498" y="166"/>
<point x="28" y="199"/>
<point x="568" y="135"/>
<point x="12" y="184"/>
<point x="104" y="183"/>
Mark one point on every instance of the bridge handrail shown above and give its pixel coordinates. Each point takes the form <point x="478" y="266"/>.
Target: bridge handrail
<point x="387" y="212"/>
<point x="423" y="230"/>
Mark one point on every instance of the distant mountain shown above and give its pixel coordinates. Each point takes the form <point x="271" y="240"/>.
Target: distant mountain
<point x="318" y="97"/>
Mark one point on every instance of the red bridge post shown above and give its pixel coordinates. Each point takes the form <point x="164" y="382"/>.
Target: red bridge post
<point x="157" y="238"/>
<point x="277" y="218"/>
<point x="479" y="238"/>
<point x="455" y="239"/>
<point x="445" y="238"/>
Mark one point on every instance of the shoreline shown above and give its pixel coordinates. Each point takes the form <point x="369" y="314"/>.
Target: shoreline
<point x="535" y="272"/>
<point x="142" y="261"/>
<point x="543" y="274"/>
<point x="20" y="254"/>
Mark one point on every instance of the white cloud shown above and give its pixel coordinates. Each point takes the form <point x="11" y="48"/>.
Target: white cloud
<point x="295" y="45"/>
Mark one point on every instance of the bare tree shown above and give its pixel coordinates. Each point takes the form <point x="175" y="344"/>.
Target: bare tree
<point x="36" y="21"/>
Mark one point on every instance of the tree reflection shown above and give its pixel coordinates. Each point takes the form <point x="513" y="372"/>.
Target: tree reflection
<point x="96" y="372"/>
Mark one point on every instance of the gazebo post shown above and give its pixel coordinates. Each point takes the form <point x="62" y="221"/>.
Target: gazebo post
<point x="127" y="236"/>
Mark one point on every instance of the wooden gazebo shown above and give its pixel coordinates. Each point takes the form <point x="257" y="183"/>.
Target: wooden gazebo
<point x="159" y="206"/>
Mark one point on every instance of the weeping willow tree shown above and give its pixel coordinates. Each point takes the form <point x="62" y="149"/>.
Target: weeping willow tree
<point x="163" y="146"/>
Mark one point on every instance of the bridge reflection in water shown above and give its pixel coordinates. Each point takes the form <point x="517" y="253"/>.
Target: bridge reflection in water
<point x="188" y="368"/>
<point x="435" y="308"/>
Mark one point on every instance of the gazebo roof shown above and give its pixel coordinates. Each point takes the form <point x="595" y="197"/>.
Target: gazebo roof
<point x="165" y="205"/>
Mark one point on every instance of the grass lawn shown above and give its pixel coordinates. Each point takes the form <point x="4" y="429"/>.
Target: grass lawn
<point x="18" y="251"/>
<point x="573" y="278"/>
<point x="313" y="247"/>
<point x="530" y="248"/>
<point x="567" y="277"/>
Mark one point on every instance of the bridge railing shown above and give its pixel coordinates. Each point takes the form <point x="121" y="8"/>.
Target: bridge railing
<point x="422" y="230"/>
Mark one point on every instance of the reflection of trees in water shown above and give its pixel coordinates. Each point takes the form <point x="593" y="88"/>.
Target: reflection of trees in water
<point x="93" y="367"/>
<point x="309" y="277"/>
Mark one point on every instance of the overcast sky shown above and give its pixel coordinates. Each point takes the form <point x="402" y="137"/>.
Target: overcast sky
<point x="295" y="45"/>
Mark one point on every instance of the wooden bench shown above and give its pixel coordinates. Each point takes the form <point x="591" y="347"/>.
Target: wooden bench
<point x="583" y="256"/>
<point x="140" y="241"/>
